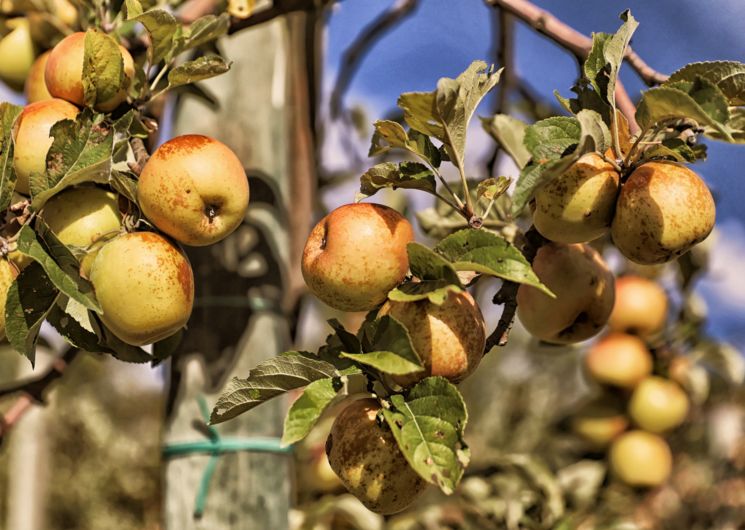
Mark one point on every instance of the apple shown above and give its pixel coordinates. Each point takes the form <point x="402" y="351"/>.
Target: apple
<point x="194" y="189"/>
<point x="356" y="254"/>
<point x="81" y="216"/>
<point x="641" y="459"/>
<point x="662" y="211"/>
<point x="599" y="423"/>
<point x="367" y="459"/>
<point x="658" y="404"/>
<point x="144" y="285"/>
<point x="449" y="338"/>
<point x="8" y="273"/>
<point x="577" y="206"/>
<point x="64" y="73"/>
<point x="640" y="308"/>
<point x="619" y="360"/>
<point x="583" y="286"/>
<point x="65" y="12"/>
<point x="32" y="139"/>
<point x="35" y="87"/>
<point x="16" y="53"/>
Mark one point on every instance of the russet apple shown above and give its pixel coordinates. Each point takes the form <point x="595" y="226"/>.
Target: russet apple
<point x="16" y="53"/>
<point x="599" y="423"/>
<point x="449" y="338"/>
<point x="658" y="404"/>
<point x="577" y="206"/>
<point x="8" y="273"/>
<point x="32" y="137"/>
<point x="356" y="254"/>
<point x="640" y="308"/>
<point x="194" y="189"/>
<point x="81" y="216"/>
<point x="584" y="291"/>
<point x="35" y="87"/>
<point x="367" y="459"/>
<point x="64" y="73"/>
<point x="663" y="210"/>
<point x="619" y="360"/>
<point x="641" y="459"/>
<point x="144" y="285"/>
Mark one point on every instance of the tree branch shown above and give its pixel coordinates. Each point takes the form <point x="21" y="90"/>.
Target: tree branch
<point x="367" y="38"/>
<point x="503" y="25"/>
<point x="33" y="390"/>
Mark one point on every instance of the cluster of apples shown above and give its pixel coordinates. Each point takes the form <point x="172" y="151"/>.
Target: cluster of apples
<point x="621" y="363"/>
<point x="352" y="259"/>
<point x="659" y="212"/>
<point x="193" y="189"/>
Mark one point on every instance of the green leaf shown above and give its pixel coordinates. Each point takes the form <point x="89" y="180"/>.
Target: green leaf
<point x="133" y="9"/>
<point x="269" y="379"/>
<point x="308" y="408"/>
<point x="509" y="132"/>
<point x="426" y="264"/>
<point x="596" y="67"/>
<point x="81" y="152"/>
<point x="436" y="291"/>
<point x="420" y="113"/>
<point x="487" y="253"/>
<point x="728" y="76"/>
<point x="707" y="95"/>
<point x="534" y="176"/>
<point x="8" y="115"/>
<point x="406" y="175"/>
<point x="492" y="188"/>
<point x="103" y="68"/>
<point x="677" y="150"/>
<point x="390" y="134"/>
<point x="30" y="299"/>
<point x="125" y="184"/>
<point x="428" y="426"/>
<point x="73" y="286"/>
<point x="70" y="327"/>
<point x="615" y="50"/>
<point x="552" y="138"/>
<point x="392" y="351"/>
<point x="162" y="27"/>
<point x="199" y="69"/>
<point x="204" y="30"/>
<point x="594" y="133"/>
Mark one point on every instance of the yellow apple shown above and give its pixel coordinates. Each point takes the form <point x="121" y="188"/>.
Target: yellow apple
<point x="32" y="139"/>
<point x="578" y="205"/>
<point x="658" y="404"/>
<point x="8" y="273"/>
<point x="35" y="87"/>
<point x="66" y="12"/>
<point x="640" y="308"/>
<point x="369" y="463"/>
<point x="583" y="286"/>
<point x="81" y="216"/>
<point x="64" y="73"/>
<point x="620" y="360"/>
<point x="144" y="285"/>
<point x="194" y="189"/>
<point x="16" y="53"/>
<point x="599" y="423"/>
<point x="662" y="211"/>
<point x="355" y="255"/>
<point x="449" y="338"/>
<point x="641" y="459"/>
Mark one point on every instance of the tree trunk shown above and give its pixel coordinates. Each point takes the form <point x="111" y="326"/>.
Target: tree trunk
<point x="247" y="285"/>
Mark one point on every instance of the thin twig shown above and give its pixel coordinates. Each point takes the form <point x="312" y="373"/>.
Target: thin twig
<point x="33" y="390"/>
<point x="279" y="8"/>
<point x="504" y="24"/>
<point x="141" y="156"/>
<point x="352" y="57"/>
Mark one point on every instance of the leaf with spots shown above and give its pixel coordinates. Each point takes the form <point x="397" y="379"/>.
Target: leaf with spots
<point x="391" y="134"/>
<point x="406" y="175"/>
<point x="199" y="69"/>
<point x="428" y="425"/>
<point x="103" y="68"/>
<point x="8" y="115"/>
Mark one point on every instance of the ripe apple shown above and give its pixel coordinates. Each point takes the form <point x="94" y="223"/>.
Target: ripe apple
<point x="449" y="338"/>
<point x="640" y="308"/>
<point x="35" y="87"/>
<point x="144" y="285"/>
<point x="16" y="53"/>
<point x="194" y="189"/>
<point x="599" y="422"/>
<point x="583" y="286"/>
<point x="367" y="459"/>
<point x="578" y="206"/>
<point x="620" y="360"/>
<point x="658" y="404"/>
<point x="8" y="273"/>
<point x="81" y="216"/>
<point x="662" y="211"/>
<point x="64" y="73"/>
<point x="32" y="139"/>
<point x="356" y="254"/>
<point x="65" y="12"/>
<point x="641" y="459"/>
